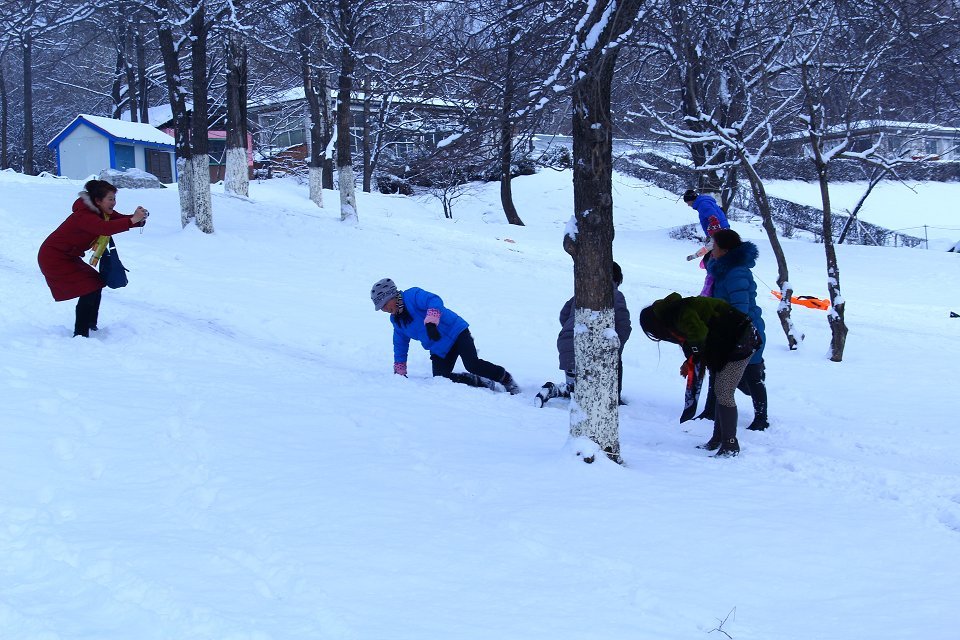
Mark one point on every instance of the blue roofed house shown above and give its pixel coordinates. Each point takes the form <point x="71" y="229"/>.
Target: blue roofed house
<point x="90" y="144"/>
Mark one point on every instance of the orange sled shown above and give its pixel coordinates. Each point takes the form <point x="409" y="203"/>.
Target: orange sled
<point x="806" y="301"/>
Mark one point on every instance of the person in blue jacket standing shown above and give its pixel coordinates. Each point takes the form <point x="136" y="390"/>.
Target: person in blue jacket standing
<point x="730" y="265"/>
<point x="712" y="217"/>
<point x="420" y="315"/>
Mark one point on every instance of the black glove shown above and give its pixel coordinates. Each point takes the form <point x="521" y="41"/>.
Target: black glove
<point x="433" y="332"/>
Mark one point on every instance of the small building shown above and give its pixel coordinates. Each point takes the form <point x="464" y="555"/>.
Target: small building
<point x="90" y="144"/>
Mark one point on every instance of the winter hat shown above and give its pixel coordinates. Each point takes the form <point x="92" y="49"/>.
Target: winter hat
<point x="382" y="292"/>
<point x="689" y="195"/>
<point x="727" y="239"/>
<point x="617" y="274"/>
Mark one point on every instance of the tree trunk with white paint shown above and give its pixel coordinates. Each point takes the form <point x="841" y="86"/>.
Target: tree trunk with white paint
<point x="348" y="195"/>
<point x="236" y="179"/>
<point x="185" y="187"/>
<point x="316" y="185"/>
<point x="203" y="206"/>
<point x="593" y="409"/>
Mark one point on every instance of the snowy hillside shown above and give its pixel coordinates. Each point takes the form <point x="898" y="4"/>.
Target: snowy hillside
<point x="231" y="457"/>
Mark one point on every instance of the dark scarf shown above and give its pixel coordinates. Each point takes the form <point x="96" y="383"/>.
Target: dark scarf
<point x="403" y="316"/>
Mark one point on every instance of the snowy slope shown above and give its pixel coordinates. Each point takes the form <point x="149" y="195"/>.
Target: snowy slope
<point x="230" y="456"/>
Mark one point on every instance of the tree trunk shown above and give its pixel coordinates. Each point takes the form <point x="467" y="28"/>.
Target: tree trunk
<point x="199" y="144"/>
<point x="506" y="133"/>
<point x="783" y="274"/>
<point x="348" y="195"/>
<point x="367" y="135"/>
<point x="116" y="88"/>
<point x="142" y="79"/>
<point x="594" y="410"/>
<point x="316" y="95"/>
<point x="838" y="328"/>
<point x="28" y="104"/>
<point x="4" y="120"/>
<point x="237" y="176"/>
<point x="130" y="76"/>
<point x="181" y="122"/>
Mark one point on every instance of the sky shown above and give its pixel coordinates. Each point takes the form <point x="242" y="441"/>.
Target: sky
<point x="230" y="456"/>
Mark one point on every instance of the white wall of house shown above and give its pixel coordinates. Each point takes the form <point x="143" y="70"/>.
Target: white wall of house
<point x="84" y="152"/>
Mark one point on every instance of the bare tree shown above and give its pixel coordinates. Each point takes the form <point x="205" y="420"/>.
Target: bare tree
<point x="27" y="23"/>
<point x="730" y="102"/>
<point x="835" y="77"/>
<point x="237" y="177"/>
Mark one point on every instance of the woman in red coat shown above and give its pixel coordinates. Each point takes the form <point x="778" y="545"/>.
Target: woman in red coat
<point x="61" y="254"/>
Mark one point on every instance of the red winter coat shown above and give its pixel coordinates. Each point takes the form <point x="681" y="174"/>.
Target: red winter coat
<point x="61" y="254"/>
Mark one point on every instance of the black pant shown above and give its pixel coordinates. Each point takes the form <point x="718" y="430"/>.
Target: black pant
<point x="88" y="309"/>
<point x="466" y="350"/>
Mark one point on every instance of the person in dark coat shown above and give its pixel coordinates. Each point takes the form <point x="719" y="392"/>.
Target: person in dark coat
<point x="417" y="314"/>
<point x="565" y="342"/>
<point x="730" y="266"/>
<point x="61" y="254"/>
<point x="711" y="331"/>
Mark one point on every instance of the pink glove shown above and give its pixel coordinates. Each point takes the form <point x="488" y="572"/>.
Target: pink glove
<point x="400" y="368"/>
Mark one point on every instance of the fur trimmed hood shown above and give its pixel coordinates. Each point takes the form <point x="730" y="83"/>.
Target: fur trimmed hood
<point x="85" y="198"/>
<point x="743" y="256"/>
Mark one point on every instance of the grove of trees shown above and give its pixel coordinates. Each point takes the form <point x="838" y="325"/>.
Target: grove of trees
<point x="723" y="78"/>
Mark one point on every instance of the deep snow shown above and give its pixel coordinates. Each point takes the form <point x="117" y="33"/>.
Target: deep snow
<point x="231" y="457"/>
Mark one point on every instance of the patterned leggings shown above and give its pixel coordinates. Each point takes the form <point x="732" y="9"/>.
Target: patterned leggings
<point x="727" y="380"/>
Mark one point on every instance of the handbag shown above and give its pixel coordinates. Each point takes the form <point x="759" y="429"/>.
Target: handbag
<point x="112" y="271"/>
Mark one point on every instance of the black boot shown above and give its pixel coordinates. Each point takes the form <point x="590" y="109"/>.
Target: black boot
<point x="727" y="417"/>
<point x="728" y="449"/>
<point x="754" y="378"/>
<point x="714" y="442"/>
<point x="472" y="380"/>
<point x="509" y="383"/>
<point x="760" y="417"/>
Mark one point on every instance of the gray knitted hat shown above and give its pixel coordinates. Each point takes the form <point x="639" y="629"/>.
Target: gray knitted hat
<point x="383" y="291"/>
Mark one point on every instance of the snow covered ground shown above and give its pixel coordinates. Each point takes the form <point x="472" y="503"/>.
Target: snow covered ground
<point x="925" y="210"/>
<point x="231" y="457"/>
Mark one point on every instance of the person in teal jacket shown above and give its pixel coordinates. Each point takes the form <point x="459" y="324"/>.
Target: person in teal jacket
<point x="730" y="266"/>
<point x="417" y="314"/>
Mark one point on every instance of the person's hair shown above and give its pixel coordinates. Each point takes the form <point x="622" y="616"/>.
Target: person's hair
<point x="617" y="274"/>
<point x="651" y="324"/>
<point x="99" y="189"/>
<point x="689" y="195"/>
<point x="727" y="239"/>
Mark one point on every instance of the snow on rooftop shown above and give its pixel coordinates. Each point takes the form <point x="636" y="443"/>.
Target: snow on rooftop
<point x="135" y="131"/>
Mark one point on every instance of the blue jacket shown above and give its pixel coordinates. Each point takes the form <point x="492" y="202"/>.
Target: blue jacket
<point x="733" y="282"/>
<point x="706" y="207"/>
<point x="621" y="319"/>
<point x="416" y="301"/>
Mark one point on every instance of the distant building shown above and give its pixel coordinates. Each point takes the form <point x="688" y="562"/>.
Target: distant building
<point x="281" y="123"/>
<point x="912" y="140"/>
<point x="90" y="144"/>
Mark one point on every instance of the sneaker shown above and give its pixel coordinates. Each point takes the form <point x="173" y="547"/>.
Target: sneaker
<point x="509" y="383"/>
<point x="549" y="390"/>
